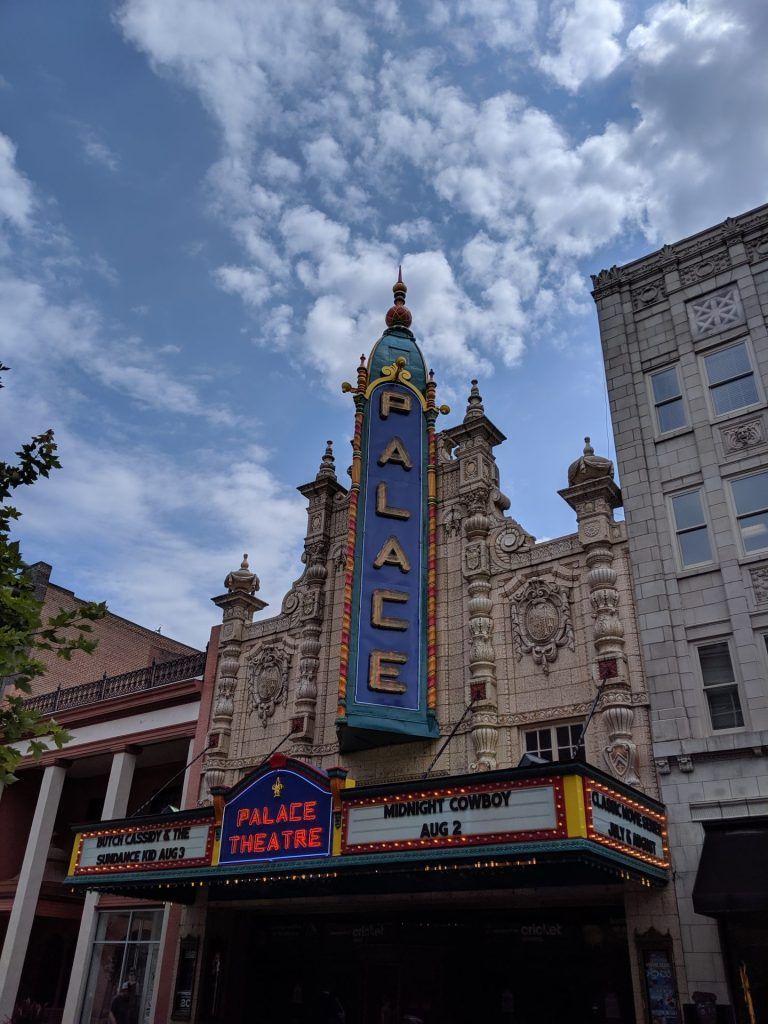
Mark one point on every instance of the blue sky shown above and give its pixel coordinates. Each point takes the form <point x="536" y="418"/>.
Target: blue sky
<point x="202" y="208"/>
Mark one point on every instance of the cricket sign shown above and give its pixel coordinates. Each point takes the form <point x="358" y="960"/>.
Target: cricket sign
<point x="388" y="649"/>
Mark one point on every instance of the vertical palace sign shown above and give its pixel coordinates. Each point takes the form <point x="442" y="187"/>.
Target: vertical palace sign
<point x="387" y="684"/>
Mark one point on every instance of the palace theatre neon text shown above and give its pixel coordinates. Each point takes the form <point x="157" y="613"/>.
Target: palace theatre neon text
<point x="275" y="816"/>
<point x="391" y="588"/>
<point x="274" y="840"/>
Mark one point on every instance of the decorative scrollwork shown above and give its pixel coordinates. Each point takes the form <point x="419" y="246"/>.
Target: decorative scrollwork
<point x="267" y="681"/>
<point x="541" y="621"/>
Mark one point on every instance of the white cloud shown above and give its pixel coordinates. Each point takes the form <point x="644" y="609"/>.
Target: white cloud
<point x="16" y="196"/>
<point x="325" y="158"/>
<point x="95" y="150"/>
<point x="585" y="31"/>
<point x="279" y="169"/>
<point x="250" y="285"/>
<point x="701" y="91"/>
<point x="246" y="60"/>
<point x="525" y="193"/>
<point x="42" y="336"/>
<point x="120" y="509"/>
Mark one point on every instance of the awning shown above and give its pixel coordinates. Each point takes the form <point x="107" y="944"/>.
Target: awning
<point x="733" y="870"/>
<point x="284" y="831"/>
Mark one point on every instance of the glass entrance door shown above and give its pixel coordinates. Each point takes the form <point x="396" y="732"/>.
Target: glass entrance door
<point x="122" y="970"/>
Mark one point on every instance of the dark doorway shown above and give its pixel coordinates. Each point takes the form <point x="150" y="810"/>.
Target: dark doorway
<point x="496" y="968"/>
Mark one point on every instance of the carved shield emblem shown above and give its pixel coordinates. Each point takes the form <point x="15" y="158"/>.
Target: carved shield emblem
<point x="541" y="620"/>
<point x="267" y="681"/>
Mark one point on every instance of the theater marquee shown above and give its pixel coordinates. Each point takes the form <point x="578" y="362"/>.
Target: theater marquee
<point x="464" y="816"/>
<point x="149" y="846"/>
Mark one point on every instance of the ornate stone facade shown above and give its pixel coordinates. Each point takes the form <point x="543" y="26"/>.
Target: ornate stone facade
<point x="527" y="635"/>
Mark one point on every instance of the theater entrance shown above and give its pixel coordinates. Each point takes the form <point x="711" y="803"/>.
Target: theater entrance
<point x="499" y="967"/>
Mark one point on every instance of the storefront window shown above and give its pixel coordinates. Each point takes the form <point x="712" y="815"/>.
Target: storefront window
<point x="122" y="971"/>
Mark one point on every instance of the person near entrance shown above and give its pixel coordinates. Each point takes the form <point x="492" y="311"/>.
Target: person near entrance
<point x="124" y="1006"/>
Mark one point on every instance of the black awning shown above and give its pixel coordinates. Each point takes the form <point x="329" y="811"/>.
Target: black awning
<point x="733" y="870"/>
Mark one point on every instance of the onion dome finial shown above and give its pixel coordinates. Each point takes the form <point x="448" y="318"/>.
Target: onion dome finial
<point x="399" y="315"/>
<point x="242" y="579"/>
<point x="589" y="466"/>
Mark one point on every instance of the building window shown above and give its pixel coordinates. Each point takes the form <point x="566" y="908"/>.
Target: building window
<point x="668" y="400"/>
<point x="715" y="312"/>
<point x="123" y="963"/>
<point x="554" y="742"/>
<point x="750" y="497"/>
<point x="691" y="529"/>
<point x="730" y="378"/>
<point x="720" y="686"/>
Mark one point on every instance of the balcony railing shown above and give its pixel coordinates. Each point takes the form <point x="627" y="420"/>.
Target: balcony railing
<point x="141" y="679"/>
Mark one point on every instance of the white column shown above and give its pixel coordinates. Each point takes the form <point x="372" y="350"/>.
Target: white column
<point x="115" y="806"/>
<point x="30" y="879"/>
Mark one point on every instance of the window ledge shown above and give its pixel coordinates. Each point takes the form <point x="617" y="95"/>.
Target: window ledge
<point x="753" y="557"/>
<point x="696" y="570"/>
<point x="743" y="410"/>
<point x="670" y="435"/>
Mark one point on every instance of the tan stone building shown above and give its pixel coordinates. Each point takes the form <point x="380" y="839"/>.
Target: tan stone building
<point x="685" y="341"/>
<point x="502" y="853"/>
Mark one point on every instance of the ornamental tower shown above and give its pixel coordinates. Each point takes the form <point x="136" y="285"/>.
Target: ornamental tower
<point x="387" y="678"/>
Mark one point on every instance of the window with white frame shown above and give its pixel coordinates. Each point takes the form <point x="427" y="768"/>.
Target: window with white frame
<point x="715" y="312"/>
<point x="720" y="685"/>
<point x="730" y="378"/>
<point x="668" y="400"/>
<point x="554" y="742"/>
<point x="750" y="499"/>
<point x="691" y="529"/>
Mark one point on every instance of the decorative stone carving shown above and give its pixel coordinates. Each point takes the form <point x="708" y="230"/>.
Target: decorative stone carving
<point x="589" y="466"/>
<point x="339" y="557"/>
<point x="267" y="681"/>
<point x="663" y="766"/>
<point x="449" y="483"/>
<point x="758" y="248"/>
<point x="473" y="557"/>
<point x="759" y="576"/>
<point x="452" y="521"/>
<point x="685" y="763"/>
<point x="715" y="312"/>
<point x="713" y="263"/>
<point x="242" y="579"/>
<point x="541" y="621"/>
<point x="648" y="292"/>
<point x="507" y="540"/>
<point x="744" y="435"/>
<point x="618" y="716"/>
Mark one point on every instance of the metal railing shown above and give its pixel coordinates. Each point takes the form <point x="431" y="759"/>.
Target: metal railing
<point x="156" y="674"/>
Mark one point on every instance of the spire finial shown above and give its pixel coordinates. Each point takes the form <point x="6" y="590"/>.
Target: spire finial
<point x="327" y="470"/>
<point x="242" y="579"/>
<point x="588" y="449"/>
<point x="399" y="315"/>
<point x="475" y="407"/>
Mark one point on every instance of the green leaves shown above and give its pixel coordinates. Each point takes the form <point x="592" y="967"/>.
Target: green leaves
<point x="22" y="631"/>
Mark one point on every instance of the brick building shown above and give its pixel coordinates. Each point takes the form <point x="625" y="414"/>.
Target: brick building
<point x="133" y="709"/>
<point x="494" y="859"/>
<point x="686" y="355"/>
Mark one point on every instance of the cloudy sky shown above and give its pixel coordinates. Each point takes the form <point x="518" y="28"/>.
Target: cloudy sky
<point x="202" y="208"/>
